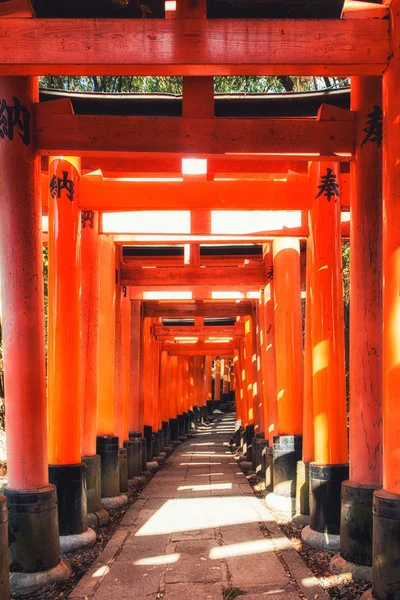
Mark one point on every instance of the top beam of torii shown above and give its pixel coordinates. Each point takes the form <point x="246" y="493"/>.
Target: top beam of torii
<point x="358" y="44"/>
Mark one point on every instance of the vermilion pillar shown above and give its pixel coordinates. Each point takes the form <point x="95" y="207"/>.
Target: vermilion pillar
<point x="327" y="324"/>
<point x="217" y="383"/>
<point x="23" y="339"/>
<point x="136" y="403"/>
<point x="107" y="441"/>
<point x="173" y="407"/>
<point x="365" y="439"/>
<point x="64" y="351"/>
<point x="269" y="329"/>
<point x="386" y="504"/>
<point x="256" y="388"/>
<point x="90" y="292"/>
<point x="147" y="386"/>
<point x="303" y="466"/>
<point x="289" y="368"/>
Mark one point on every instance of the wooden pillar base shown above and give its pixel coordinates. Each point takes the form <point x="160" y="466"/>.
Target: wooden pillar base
<point x="107" y="448"/>
<point x="148" y="435"/>
<point x="386" y="546"/>
<point x="356" y="523"/>
<point x="325" y="493"/>
<point x="96" y="514"/>
<point x="71" y="495"/>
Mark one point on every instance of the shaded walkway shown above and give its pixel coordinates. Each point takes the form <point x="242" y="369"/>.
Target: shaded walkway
<point x="198" y="528"/>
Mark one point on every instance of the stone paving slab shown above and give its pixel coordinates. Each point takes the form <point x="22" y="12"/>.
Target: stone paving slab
<point x="196" y="529"/>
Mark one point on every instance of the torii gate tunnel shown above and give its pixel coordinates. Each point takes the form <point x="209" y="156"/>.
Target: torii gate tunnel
<point x="153" y="327"/>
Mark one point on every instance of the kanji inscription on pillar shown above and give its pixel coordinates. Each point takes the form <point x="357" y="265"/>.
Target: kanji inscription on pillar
<point x="328" y="186"/>
<point x="15" y="118"/>
<point x="374" y="128"/>
<point x="270" y="274"/>
<point x="87" y="217"/>
<point x="57" y="184"/>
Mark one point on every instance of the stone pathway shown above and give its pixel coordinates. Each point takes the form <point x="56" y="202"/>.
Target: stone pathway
<point x="197" y="530"/>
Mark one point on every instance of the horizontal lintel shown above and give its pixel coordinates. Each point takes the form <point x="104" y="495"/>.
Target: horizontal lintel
<point x="194" y="46"/>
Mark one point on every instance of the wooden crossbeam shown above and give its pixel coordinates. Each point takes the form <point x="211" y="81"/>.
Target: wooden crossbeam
<point x="252" y="277"/>
<point x="177" y="261"/>
<point x="193" y="47"/>
<point x="201" y="349"/>
<point x="214" y="309"/>
<point x="115" y="195"/>
<point x="171" y="166"/>
<point x="83" y="135"/>
<point x="229" y="331"/>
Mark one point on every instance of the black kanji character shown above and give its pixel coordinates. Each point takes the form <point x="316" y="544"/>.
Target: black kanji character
<point x="15" y="117"/>
<point x="373" y="130"/>
<point x="328" y="185"/>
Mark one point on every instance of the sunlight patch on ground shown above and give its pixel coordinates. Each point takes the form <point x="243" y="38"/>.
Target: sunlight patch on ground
<point x="166" y="559"/>
<point x="206" y="487"/>
<point x="189" y="514"/>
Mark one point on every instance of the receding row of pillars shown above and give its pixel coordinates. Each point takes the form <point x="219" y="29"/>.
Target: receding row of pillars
<point x="349" y="496"/>
<point x="299" y="405"/>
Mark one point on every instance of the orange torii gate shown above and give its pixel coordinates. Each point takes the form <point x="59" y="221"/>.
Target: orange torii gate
<point x="363" y="44"/>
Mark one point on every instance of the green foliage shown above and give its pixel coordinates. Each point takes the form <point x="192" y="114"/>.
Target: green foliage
<point x="173" y="85"/>
<point x="230" y="593"/>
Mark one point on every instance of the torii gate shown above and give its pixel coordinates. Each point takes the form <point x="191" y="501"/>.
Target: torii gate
<point x="364" y="44"/>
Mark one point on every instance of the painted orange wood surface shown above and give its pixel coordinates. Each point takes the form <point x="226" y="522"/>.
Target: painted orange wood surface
<point x="146" y="375"/>
<point x="173" y="375"/>
<point x="270" y="344"/>
<point x="21" y="275"/>
<point x="206" y="331"/>
<point x="330" y="432"/>
<point x="207" y="390"/>
<point x="118" y="359"/>
<point x="93" y="134"/>
<point x="90" y="292"/>
<point x="152" y="165"/>
<point x="64" y="367"/>
<point x="126" y="361"/>
<point x="262" y="348"/>
<point x="365" y="439"/>
<point x="136" y="408"/>
<point x="163" y="386"/>
<point x="155" y="383"/>
<point x="194" y="276"/>
<point x="106" y="374"/>
<point x="288" y="336"/>
<point x="391" y="260"/>
<point x="193" y="47"/>
<point x="115" y="195"/>
<point x="308" y="412"/>
<point x="248" y="368"/>
<point x="216" y="308"/>
<point x="217" y="379"/>
<point x="257" y="374"/>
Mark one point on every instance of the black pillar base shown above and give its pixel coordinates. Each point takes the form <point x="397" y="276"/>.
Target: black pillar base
<point x="93" y="482"/>
<point x="162" y="441"/>
<point x="325" y="493"/>
<point x="135" y="462"/>
<point x="181" y="425"/>
<point x="134" y="435"/>
<point x="303" y="488"/>
<point x="386" y="546"/>
<point x="248" y="438"/>
<point x="217" y="405"/>
<point x="71" y="494"/>
<point x="356" y="523"/>
<point x="34" y="539"/>
<point x="259" y="457"/>
<point x="144" y="454"/>
<point x="123" y="470"/>
<point x="107" y="448"/>
<point x="286" y="454"/>
<point x="148" y="435"/>
<point x="269" y="470"/>
<point x="128" y="445"/>
<point x="204" y="413"/>
<point x="4" y="568"/>
<point x="156" y="443"/>
<point x="174" y="430"/>
<point x="191" y="414"/>
<point x="196" y="410"/>
<point x="187" y="422"/>
<point x="210" y="407"/>
<point x="167" y="433"/>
